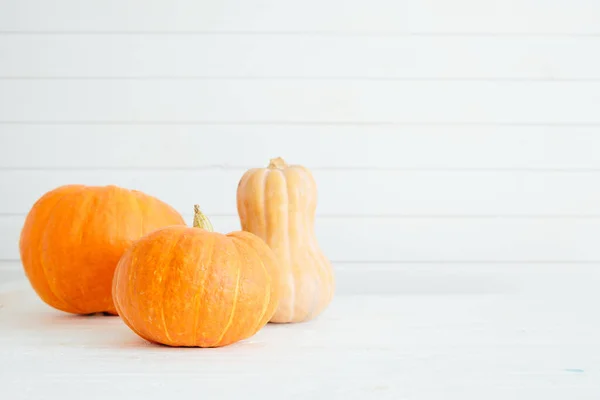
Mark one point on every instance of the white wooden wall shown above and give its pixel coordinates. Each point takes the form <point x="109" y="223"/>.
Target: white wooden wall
<point x="456" y="144"/>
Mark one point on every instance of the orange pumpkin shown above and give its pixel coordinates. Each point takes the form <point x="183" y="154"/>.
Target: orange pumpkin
<point x="191" y="287"/>
<point x="278" y="204"/>
<point x="74" y="236"/>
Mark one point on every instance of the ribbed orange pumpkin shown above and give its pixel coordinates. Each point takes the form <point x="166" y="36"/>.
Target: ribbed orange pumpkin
<point x="278" y="204"/>
<point x="74" y="236"/>
<point x="191" y="287"/>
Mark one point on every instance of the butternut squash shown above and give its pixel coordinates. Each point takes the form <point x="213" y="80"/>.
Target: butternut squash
<point x="278" y="204"/>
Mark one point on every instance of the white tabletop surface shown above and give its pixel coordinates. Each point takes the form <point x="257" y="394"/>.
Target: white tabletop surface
<point x="538" y="345"/>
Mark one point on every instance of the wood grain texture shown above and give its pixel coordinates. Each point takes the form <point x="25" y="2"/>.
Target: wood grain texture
<point x="510" y="345"/>
<point x="351" y="16"/>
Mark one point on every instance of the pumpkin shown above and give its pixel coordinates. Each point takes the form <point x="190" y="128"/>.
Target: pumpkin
<point x="74" y="236"/>
<point x="278" y="204"/>
<point x="191" y="287"/>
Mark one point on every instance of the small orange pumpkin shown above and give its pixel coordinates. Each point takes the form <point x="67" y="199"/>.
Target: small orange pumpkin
<point x="74" y="236"/>
<point x="192" y="287"/>
<point x="278" y="204"/>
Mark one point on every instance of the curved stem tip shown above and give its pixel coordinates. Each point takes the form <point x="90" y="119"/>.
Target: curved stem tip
<point x="200" y="220"/>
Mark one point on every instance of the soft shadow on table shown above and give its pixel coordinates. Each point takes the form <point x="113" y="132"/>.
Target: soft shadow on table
<point x="63" y="329"/>
<point x="95" y="331"/>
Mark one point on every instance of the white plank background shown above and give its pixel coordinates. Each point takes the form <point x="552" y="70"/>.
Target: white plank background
<point x="293" y="100"/>
<point x="454" y="136"/>
<point x="456" y="145"/>
<point x="575" y="17"/>
<point x="144" y="56"/>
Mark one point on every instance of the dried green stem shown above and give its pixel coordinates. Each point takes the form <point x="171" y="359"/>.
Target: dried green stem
<point x="200" y="220"/>
<point x="277" y="163"/>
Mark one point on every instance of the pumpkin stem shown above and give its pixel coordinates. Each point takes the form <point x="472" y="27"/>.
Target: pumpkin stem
<point x="200" y="220"/>
<point x="277" y="163"/>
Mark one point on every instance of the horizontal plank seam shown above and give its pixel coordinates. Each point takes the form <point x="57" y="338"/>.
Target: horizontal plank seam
<point x="306" y="123"/>
<point x="540" y="170"/>
<point x="302" y="78"/>
<point x="401" y="216"/>
<point x="318" y="33"/>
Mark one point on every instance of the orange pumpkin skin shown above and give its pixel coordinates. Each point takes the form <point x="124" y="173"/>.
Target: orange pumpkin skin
<point x="278" y="204"/>
<point x="190" y="287"/>
<point x="74" y="236"/>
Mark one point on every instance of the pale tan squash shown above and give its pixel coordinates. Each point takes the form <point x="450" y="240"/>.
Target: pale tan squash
<point x="278" y="204"/>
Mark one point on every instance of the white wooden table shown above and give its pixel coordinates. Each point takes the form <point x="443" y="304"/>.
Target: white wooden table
<point x="542" y="344"/>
